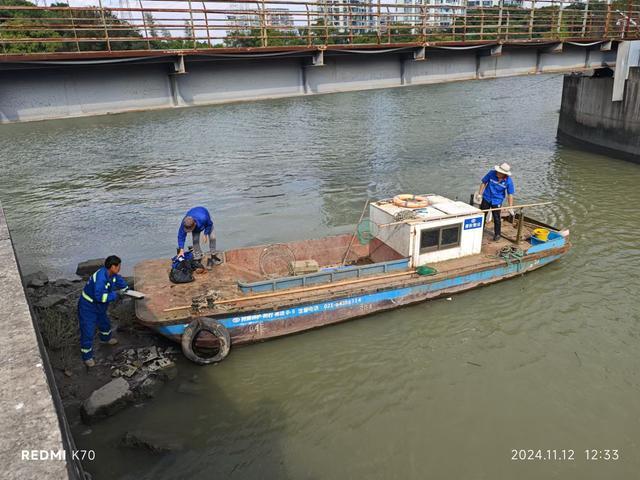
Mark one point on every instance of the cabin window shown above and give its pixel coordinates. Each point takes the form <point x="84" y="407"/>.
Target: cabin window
<point x="429" y="240"/>
<point x="433" y="239"/>
<point x="450" y="237"/>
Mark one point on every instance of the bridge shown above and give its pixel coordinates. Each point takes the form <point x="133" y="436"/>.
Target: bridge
<point x="69" y="60"/>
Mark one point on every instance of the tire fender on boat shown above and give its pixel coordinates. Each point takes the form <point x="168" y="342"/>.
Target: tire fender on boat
<point x="216" y="329"/>
<point x="409" y="200"/>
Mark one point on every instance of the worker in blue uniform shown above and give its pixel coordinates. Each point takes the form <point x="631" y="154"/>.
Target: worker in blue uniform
<point x="496" y="185"/>
<point x="100" y="290"/>
<point x="197" y="221"/>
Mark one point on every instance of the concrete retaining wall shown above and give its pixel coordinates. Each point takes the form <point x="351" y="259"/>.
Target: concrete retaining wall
<point x="28" y="418"/>
<point x="589" y="118"/>
<point x="40" y="90"/>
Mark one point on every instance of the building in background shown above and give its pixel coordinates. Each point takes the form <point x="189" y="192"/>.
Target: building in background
<point x="243" y="18"/>
<point x="349" y="15"/>
<point x="437" y="12"/>
<point x="279" y="17"/>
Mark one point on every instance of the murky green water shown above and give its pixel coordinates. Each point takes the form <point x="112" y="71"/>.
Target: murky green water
<point x="445" y="389"/>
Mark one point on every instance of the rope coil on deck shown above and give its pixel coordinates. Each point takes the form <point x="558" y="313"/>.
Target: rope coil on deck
<point x="510" y="254"/>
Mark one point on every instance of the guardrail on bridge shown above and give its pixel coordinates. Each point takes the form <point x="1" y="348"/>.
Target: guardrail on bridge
<point x="115" y="26"/>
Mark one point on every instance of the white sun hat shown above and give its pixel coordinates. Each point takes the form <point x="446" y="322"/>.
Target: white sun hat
<point x="503" y="168"/>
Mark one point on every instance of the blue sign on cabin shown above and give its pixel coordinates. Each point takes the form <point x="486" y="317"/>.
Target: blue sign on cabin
<point x="470" y="223"/>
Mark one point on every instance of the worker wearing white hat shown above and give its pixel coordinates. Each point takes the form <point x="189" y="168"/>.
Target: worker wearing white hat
<point x="496" y="185"/>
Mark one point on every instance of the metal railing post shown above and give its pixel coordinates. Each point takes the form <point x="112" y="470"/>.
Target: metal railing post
<point x="326" y="23"/>
<point x="104" y="24"/>
<point x="465" y="4"/>
<point x="263" y="21"/>
<point x="309" y="41"/>
<point x="144" y="24"/>
<point x="73" y="25"/>
<point x="350" y="23"/>
<point x="500" y="19"/>
<point x="193" y="28"/>
<point x="531" y="18"/>
<point x="379" y="24"/>
<point x="584" y="19"/>
<point x="607" y="19"/>
<point x="206" y="22"/>
<point x="559" y="28"/>
<point x="506" y="37"/>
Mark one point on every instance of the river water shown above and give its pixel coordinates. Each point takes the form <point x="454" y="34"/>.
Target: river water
<point x="445" y="389"/>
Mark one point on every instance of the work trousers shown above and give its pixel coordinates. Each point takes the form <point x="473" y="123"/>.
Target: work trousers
<point x="197" y="251"/>
<point x="497" y="222"/>
<point x="91" y="315"/>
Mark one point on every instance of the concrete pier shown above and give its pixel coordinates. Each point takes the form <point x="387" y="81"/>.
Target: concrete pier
<point x="590" y="119"/>
<point x="31" y="439"/>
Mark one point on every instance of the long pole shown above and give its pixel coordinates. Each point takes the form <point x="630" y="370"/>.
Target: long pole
<point x="299" y="290"/>
<point x="344" y="259"/>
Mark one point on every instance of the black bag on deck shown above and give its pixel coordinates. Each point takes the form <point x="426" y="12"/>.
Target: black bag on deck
<point x="181" y="271"/>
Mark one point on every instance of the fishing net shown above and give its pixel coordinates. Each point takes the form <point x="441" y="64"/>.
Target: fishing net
<point x="426" y="270"/>
<point x="365" y="231"/>
<point x="275" y="260"/>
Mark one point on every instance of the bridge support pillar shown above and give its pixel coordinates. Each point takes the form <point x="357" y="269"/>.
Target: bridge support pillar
<point x="317" y="60"/>
<point x="496" y="50"/>
<point x="555" y="48"/>
<point x="178" y="69"/>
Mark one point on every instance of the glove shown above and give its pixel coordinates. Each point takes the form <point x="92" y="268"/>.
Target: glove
<point x="512" y="212"/>
<point x="477" y="198"/>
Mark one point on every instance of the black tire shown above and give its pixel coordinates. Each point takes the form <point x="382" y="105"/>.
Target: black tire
<point x="216" y="329"/>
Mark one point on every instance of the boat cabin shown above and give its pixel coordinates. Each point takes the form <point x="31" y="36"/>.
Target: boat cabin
<point x="442" y="230"/>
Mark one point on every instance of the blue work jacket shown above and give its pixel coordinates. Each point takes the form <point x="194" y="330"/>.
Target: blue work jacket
<point x="496" y="189"/>
<point x="203" y="223"/>
<point x="101" y="288"/>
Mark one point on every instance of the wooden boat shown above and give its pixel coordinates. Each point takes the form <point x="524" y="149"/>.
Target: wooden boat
<point x="253" y="295"/>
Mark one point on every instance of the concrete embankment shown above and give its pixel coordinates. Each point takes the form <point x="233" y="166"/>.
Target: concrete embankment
<point x="33" y="434"/>
<point x="589" y="119"/>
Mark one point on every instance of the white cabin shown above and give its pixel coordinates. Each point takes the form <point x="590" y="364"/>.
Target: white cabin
<point x="443" y="230"/>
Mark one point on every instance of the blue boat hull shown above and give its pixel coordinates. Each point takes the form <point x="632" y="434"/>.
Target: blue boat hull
<point x="261" y="325"/>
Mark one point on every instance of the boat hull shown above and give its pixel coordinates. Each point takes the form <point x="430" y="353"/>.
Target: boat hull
<point x="250" y="327"/>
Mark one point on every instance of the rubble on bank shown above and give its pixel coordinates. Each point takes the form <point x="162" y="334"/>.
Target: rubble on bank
<point x="130" y="372"/>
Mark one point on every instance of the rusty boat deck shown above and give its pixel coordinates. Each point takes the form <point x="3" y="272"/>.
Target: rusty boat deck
<point x="168" y="307"/>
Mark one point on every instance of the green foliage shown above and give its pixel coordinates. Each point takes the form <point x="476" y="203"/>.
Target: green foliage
<point x="548" y="22"/>
<point x="34" y="24"/>
<point x="253" y="37"/>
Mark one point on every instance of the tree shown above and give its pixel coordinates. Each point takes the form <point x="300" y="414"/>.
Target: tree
<point x="150" y="24"/>
<point x="25" y="25"/>
<point x="188" y="29"/>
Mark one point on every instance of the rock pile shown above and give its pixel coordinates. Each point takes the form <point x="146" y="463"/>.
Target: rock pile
<point x="139" y="375"/>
